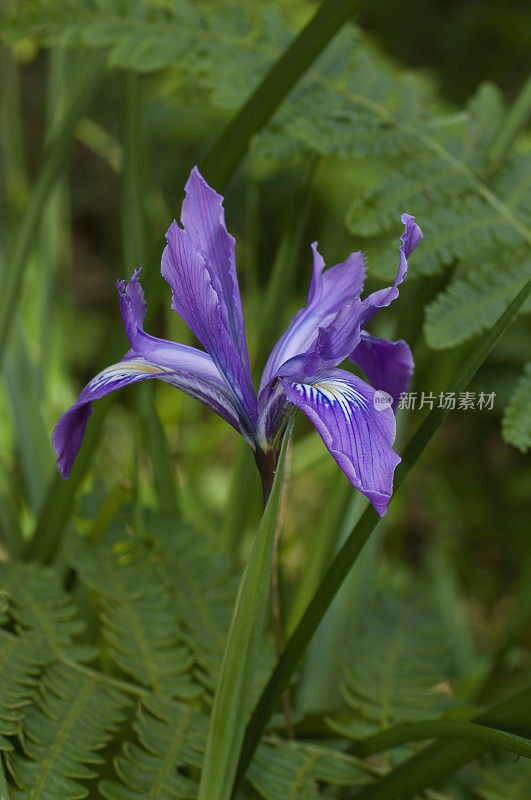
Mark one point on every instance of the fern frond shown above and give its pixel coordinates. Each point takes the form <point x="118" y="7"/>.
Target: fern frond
<point x="171" y="739"/>
<point x="395" y="665"/>
<point x="72" y="719"/>
<point x="473" y="302"/>
<point x="167" y="758"/>
<point x="289" y="769"/>
<point x="21" y="662"/>
<point x="516" y="423"/>
<point x="139" y="623"/>
<point x="40" y="606"/>
<point x="203" y="589"/>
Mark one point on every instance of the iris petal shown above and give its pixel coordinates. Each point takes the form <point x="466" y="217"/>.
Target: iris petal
<point x="203" y="218"/>
<point x="388" y="365"/>
<point x="198" y="304"/>
<point x="70" y="428"/>
<point x="329" y="292"/>
<point x="357" y="433"/>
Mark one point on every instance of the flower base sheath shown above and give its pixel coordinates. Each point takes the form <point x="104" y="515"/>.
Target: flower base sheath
<point x="302" y="370"/>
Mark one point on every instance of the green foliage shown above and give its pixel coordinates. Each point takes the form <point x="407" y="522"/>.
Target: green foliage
<point x="516" y="424"/>
<point x="40" y="607"/>
<point x="171" y="739"/>
<point x="396" y="668"/>
<point x="138" y="621"/>
<point x="472" y="303"/>
<point x="288" y="769"/>
<point x="72" y="718"/>
<point x="505" y="779"/>
<point x="57" y="714"/>
<point x="21" y="662"/>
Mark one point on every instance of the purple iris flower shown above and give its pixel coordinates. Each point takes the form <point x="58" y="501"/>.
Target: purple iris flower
<point x="199" y="265"/>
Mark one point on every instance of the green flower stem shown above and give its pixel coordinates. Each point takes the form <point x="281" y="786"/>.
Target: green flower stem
<point x="440" y="760"/>
<point x="441" y="729"/>
<point x="350" y="551"/>
<point x="54" y="164"/>
<point x="230" y="147"/>
<point x="242" y="653"/>
<point x="511" y="126"/>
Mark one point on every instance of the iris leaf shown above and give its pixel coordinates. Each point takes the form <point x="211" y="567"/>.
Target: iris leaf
<point x="242" y="652"/>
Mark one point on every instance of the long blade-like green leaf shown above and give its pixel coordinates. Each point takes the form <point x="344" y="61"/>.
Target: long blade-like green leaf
<point x="441" y="759"/>
<point x="235" y="684"/>
<point x="441" y="729"/>
<point x="54" y="163"/>
<point x="350" y="551"/>
<point x="229" y="149"/>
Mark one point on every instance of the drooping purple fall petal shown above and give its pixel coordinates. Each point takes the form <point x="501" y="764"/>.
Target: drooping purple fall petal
<point x="357" y="435"/>
<point x="388" y="365"/>
<point x="70" y="428"/>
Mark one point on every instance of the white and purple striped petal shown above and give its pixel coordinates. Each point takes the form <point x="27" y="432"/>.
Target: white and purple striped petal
<point x="388" y="365"/>
<point x="357" y="435"/>
<point x="70" y="428"/>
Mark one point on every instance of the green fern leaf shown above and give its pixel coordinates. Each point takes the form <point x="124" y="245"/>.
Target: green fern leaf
<point x="171" y="738"/>
<point x="170" y="747"/>
<point x="74" y="718"/>
<point x="21" y="662"/>
<point x="203" y="589"/>
<point x="474" y="301"/>
<point x="139" y="624"/>
<point x="516" y="423"/>
<point x="394" y="667"/>
<point x="39" y="605"/>
<point x="289" y="769"/>
<point x="505" y="779"/>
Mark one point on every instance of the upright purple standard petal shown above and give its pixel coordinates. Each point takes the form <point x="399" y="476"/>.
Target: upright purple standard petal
<point x="203" y="219"/>
<point x="70" y="428"/>
<point x="343" y="334"/>
<point x="388" y="365"/>
<point x="383" y="297"/>
<point x="358" y="436"/>
<point x="198" y="304"/>
<point x="330" y="291"/>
